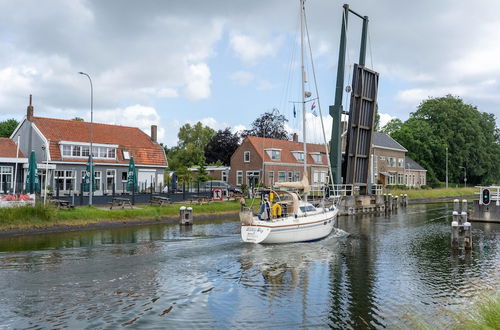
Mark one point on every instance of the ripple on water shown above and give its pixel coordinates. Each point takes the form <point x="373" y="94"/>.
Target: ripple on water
<point x="374" y="272"/>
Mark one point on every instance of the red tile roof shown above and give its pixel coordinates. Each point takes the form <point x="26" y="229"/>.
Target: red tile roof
<point x="134" y="140"/>
<point x="9" y="149"/>
<point x="260" y="144"/>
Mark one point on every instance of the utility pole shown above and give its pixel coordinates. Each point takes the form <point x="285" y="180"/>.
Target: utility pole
<point x="446" y="167"/>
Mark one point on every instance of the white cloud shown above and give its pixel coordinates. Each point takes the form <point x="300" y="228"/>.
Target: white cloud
<point x="168" y="93"/>
<point x="265" y="85"/>
<point x="136" y="116"/>
<point x="242" y="77"/>
<point x="385" y="118"/>
<point x="249" y="49"/>
<point x="198" y="86"/>
<point x="238" y="129"/>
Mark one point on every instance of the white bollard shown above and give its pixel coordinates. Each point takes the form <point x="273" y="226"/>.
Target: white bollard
<point x="467" y="236"/>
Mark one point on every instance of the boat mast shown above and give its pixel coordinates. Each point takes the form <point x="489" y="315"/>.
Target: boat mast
<point x="303" y="78"/>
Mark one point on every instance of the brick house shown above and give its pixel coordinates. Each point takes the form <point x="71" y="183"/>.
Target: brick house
<point x="62" y="148"/>
<point x="416" y="175"/>
<point x="262" y="160"/>
<point x="391" y="166"/>
<point x="11" y="159"/>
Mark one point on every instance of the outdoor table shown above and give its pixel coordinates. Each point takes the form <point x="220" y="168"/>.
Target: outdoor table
<point x="160" y="200"/>
<point x="120" y="201"/>
<point x="61" y="203"/>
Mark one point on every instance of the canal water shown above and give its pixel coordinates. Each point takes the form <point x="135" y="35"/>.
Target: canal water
<point x="373" y="272"/>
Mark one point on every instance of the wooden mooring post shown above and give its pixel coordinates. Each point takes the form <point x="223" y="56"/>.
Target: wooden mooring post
<point x="185" y="216"/>
<point x="461" y="234"/>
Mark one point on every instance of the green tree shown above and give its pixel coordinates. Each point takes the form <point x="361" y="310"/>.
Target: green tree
<point x="77" y="119"/>
<point x="201" y="173"/>
<point x="198" y="135"/>
<point x="221" y="147"/>
<point x="269" y="125"/>
<point x="392" y="126"/>
<point x="186" y="156"/>
<point x="7" y="127"/>
<point x="472" y="138"/>
<point x="190" y="149"/>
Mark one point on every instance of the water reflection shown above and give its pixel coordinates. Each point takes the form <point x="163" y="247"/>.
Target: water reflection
<point x="376" y="271"/>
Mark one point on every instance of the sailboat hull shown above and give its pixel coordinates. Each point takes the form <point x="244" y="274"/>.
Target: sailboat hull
<point x="290" y="229"/>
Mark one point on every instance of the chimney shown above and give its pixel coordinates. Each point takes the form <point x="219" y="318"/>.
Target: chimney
<point x="29" y="112"/>
<point x="154" y="133"/>
<point x="295" y="137"/>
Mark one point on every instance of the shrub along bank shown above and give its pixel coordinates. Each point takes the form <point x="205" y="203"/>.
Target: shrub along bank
<point x="40" y="216"/>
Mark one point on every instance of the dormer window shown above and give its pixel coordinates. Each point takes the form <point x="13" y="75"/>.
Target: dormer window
<point x="274" y="154"/>
<point x="299" y="155"/>
<point x="82" y="150"/>
<point x="126" y="154"/>
<point x="246" y="156"/>
<point x="316" y="156"/>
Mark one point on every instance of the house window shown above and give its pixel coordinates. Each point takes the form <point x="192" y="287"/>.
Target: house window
<point x="110" y="179"/>
<point x="274" y="154"/>
<point x="124" y="176"/>
<point x="391" y="161"/>
<point x="281" y="176"/>
<point x="66" y="150"/>
<point x="253" y="178"/>
<point x="290" y="176"/>
<point x="322" y="177"/>
<point x="85" y="151"/>
<point x="316" y="157"/>
<point x="98" y="180"/>
<point x="382" y="158"/>
<point x="401" y="178"/>
<point x="76" y="151"/>
<point x="270" y="176"/>
<point x="392" y="178"/>
<point x="126" y="154"/>
<point x="5" y="178"/>
<point x="239" y="178"/>
<point x="315" y="177"/>
<point x="296" y="176"/>
<point x="299" y="155"/>
<point x="401" y="162"/>
<point x="64" y="180"/>
<point x="246" y="156"/>
<point x="223" y="176"/>
<point x="111" y="153"/>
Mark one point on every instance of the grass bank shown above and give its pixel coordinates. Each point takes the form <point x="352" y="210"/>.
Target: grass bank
<point x="42" y="216"/>
<point x="484" y="315"/>
<point x="433" y="193"/>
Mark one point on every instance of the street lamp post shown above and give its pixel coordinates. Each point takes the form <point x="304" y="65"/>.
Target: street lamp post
<point x="465" y="176"/>
<point x="91" y="137"/>
<point x="446" y="167"/>
<point x="46" y="148"/>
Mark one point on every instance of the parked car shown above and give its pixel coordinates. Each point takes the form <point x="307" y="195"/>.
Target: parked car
<point x="221" y="184"/>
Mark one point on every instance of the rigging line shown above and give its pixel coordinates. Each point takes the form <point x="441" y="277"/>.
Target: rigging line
<point x="289" y="80"/>
<point x="319" y="103"/>
<point x="371" y="53"/>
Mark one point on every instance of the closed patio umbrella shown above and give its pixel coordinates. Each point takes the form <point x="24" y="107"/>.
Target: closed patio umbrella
<point x="132" y="176"/>
<point x="89" y="175"/>
<point x="32" y="180"/>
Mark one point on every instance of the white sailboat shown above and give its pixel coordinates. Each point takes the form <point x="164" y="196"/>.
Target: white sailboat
<point x="300" y="221"/>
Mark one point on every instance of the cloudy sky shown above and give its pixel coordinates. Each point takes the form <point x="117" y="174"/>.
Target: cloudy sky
<point x="225" y="62"/>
